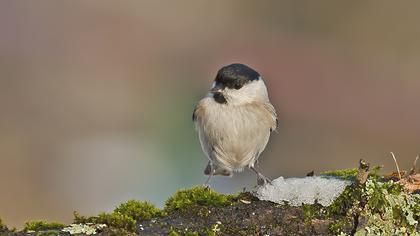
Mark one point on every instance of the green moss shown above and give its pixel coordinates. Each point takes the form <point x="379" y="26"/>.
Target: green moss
<point x="173" y="233"/>
<point x="125" y="216"/>
<point x="311" y="211"/>
<point x="189" y="233"/>
<point x="117" y="220"/>
<point x="209" y="232"/>
<point x="138" y="210"/>
<point x="350" y="174"/>
<point x="348" y="198"/>
<point x="338" y="226"/>
<point x="374" y="172"/>
<point x="344" y="208"/>
<point x="196" y="196"/>
<point x="3" y="227"/>
<point x="114" y="219"/>
<point x="347" y="174"/>
<point x="42" y="226"/>
<point x="382" y="207"/>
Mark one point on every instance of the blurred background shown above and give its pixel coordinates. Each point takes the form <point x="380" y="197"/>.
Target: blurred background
<point x="96" y="97"/>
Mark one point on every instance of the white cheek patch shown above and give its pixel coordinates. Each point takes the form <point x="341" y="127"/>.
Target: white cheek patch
<point x="251" y="92"/>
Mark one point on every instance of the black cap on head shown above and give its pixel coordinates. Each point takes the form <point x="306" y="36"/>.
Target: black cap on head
<point x="235" y="76"/>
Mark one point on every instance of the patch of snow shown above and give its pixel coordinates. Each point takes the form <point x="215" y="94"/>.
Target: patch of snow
<point x="297" y="191"/>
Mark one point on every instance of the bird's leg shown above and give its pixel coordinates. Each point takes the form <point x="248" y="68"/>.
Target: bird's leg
<point x="208" y="171"/>
<point x="206" y="184"/>
<point x="261" y="179"/>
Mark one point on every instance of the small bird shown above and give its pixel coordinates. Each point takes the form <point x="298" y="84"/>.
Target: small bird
<point x="234" y="121"/>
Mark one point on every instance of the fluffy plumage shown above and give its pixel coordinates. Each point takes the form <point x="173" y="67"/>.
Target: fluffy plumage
<point x="234" y="120"/>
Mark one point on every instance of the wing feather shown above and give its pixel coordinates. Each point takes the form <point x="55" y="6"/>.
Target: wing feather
<point x="272" y="111"/>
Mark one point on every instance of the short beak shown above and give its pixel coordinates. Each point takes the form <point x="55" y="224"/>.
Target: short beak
<point x="216" y="89"/>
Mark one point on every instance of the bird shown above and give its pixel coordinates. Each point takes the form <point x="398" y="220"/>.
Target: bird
<point x="234" y="122"/>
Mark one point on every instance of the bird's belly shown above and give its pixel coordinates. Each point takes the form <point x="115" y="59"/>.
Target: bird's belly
<point x="240" y="136"/>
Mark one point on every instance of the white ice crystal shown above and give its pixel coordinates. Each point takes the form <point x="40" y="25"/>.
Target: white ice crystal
<point x="306" y="190"/>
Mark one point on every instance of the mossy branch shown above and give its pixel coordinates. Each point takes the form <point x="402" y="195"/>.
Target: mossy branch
<point x="372" y="204"/>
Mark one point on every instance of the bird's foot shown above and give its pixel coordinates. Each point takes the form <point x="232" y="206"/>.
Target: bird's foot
<point x="262" y="180"/>
<point x="206" y="187"/>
